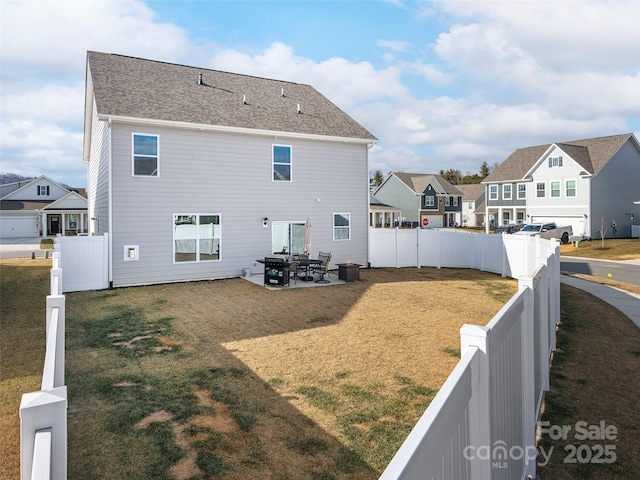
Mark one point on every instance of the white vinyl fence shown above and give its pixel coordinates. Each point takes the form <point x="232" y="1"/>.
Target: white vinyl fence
<point x="43" y="414"/>
<point x="85" y="260"/>
<point x="482" y="423"/>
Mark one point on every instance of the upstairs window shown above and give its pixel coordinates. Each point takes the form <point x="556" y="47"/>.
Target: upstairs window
<point x="429" y="201"/>
<point x="455" y="201"/>
<point x="506" y="191"/>
<point x="555" y="189"/>
<point x="571" y="188"/>
<point x="540" y="189"/>
<point x="493" y="192"/>
<point x="145" y="155"/>
<point x="522" y="191"/>
<point x="341" y="226"/>
<point x="555" y="161"/>
<point x="447" y="201"/>
<point x="43" y="190"/>
<point x="281" y="163"/>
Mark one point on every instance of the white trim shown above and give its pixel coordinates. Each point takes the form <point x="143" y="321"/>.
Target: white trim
<point x="157" y="155"/>
<point x="333" y="223"/>
<point x="551" y="182"/>
<point x="222" y="128"/>
<point x="273" y="162"/>
<point x="518" y="191"/>
<point x="490" y="196"/>
<point x="504" y="195"/>
<point x="544" y="184"/>
<point x="575" y="188"/>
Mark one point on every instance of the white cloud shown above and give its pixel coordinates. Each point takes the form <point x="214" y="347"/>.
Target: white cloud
<point x="55" y="35"/>
<point x="345" y="83"/>
<point x="396" y="45"/>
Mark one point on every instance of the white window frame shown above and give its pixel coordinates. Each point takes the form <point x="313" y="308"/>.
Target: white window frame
<point x="523" y="191"/>
<point x="342" y="228"/>
<point x="197" y="238"/>
<point x="505" y="187"/>
<point x="555" y="161"/>
<point x="544" y="190"/>
<point x="506" y="215"/>
<point x="429" y="201"/>
<point x="520" y="217"/>
<point x="551" y="195"/>
<point x="566" y="188"/>
<point x="455" y="201"/>
<point x="447" y="201"/>
<point x="43" y="190"/>
<point x="144" y="155"/>
<point x="493" y="195"/>
<point x="274" y="163"/>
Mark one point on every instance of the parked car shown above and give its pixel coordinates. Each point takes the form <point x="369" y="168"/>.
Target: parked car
<point x="548" y="230"/>
<point x="507" y="229"/>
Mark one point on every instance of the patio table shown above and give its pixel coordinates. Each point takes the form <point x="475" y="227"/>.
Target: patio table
<point x="307" y="263"/>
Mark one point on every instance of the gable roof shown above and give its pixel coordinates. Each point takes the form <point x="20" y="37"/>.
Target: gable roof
<point x="135" y="88"/>
<point x="418" y="183"/>
<point x="591" y="154"/>
<point x="471" y="192"/>
<point x="25" y="186"/>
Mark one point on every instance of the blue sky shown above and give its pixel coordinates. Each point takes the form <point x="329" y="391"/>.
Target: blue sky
<point x="446" y="84"/>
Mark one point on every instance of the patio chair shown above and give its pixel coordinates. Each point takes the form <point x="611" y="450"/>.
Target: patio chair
<point x="323" y="269"/>
<point x="295" y="267"/>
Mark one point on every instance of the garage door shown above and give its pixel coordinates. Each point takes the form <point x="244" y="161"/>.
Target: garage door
<point x="576" y="222"/>
<point x="18" y="226"/>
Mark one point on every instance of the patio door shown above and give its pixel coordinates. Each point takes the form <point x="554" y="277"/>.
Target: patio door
<point x="287" y="237"/>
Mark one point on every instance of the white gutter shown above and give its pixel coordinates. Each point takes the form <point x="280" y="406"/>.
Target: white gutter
<point x="227" y="129"/>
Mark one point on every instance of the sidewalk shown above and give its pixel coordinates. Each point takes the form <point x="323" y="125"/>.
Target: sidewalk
<point x="627" y="302"/>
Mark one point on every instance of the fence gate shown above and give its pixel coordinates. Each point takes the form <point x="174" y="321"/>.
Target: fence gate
<point x="85" y="262"/>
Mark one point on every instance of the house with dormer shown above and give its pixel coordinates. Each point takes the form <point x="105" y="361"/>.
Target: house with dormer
<point x="198" y="173"/>
<point x="41" y="207"/>
<point x="588" y="184"/>
<point x="425" y="200"/>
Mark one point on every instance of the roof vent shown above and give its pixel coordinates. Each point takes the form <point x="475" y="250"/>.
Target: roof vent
<point x="283" y="91"/>
<point x="200" y="82"/>
<point x="299" y="111"/>
<point x="244" y="100"/>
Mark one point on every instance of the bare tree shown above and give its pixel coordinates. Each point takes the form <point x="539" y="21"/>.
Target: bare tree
<point x="603" y="230"/>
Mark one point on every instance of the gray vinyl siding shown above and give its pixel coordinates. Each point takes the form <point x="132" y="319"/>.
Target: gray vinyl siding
<point x="203" y="172"/>
<point x="396" y="193"/>
<point x="613" y="191"/>
<point x="98" y="177"/>
<point x="501" y="201"/>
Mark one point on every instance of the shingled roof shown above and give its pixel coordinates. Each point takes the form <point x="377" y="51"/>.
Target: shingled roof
<point x="144" y="89"/>
<point x="591" y="154"/>
<point x="419" y="181"/>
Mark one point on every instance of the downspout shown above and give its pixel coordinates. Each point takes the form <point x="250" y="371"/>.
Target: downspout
<point x="110" y="237"/>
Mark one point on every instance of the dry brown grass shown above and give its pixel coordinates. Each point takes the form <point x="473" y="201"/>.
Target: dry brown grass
<point x="270" y="354"/>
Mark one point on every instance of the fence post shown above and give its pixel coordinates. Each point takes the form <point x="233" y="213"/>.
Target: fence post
<point x="40" y="411"/>
<point x="479" y="411"/>
<point x="56" y="275"/>
<point x="59" y="302"/>
<point x="527" y="375"/>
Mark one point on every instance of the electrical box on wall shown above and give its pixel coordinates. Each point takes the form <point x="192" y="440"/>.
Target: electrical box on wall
<point x="131" y="253"/>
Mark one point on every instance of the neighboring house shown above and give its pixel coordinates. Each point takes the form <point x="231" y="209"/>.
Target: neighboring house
<point x="197" y="173"/>
<point x="588" y="184"/>
<point x="472" y="204"/>
<point x="382" y="215"/>
<point x="41" y="207"/>
<point x="425" y="200"/>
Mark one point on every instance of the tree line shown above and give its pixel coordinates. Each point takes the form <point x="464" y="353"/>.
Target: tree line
<point x="452" y="176"/>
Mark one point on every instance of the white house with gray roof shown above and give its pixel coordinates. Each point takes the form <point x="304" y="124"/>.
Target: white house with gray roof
<point x="589" y="184"/>
<point x="197" y="173"/>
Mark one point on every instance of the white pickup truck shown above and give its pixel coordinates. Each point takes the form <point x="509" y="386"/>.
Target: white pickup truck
<point x="547" y="230"/>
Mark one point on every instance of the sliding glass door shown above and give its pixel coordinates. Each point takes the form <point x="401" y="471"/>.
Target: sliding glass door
<point x="287" y="237"/>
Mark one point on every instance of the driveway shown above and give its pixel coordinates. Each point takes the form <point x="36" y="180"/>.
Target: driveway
<point x="20" y="247"/>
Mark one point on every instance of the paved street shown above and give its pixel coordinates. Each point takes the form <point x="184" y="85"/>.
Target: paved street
<point x="20" y="247"/>
<point x="627" y="271"/>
